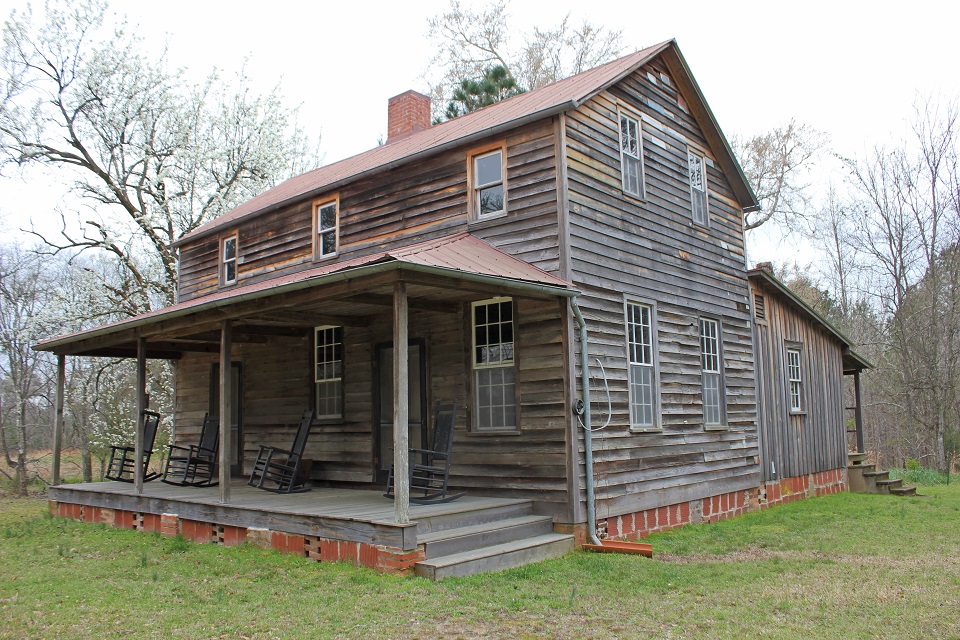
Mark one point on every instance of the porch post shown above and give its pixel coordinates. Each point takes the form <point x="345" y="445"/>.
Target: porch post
<point x="226" y="404"/>
<point x="141" y="406"/>
<point x="858" y="411"/>
<point x="401" y="444"/>
<point x="58" y="420"/>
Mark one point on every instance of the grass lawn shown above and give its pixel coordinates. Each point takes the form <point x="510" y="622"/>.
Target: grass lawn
<point x="842" y="566"/>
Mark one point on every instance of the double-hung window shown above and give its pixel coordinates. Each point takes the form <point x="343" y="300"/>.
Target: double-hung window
<point x="494" y="365"/>
<point x="228" y="260"/>
<point x="328" y="371"/>
<point x="641" y="374"/>
<point x="488" y="185"/>
<point x="711" y="374"/>
<point x="698" y="187"/>
<point x="327" y="225"/>
<point x="795" y="378"/>
<point x="631" y="156"/>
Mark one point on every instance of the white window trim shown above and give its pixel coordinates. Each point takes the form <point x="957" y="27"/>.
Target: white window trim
<point x="317" y="380"/>
<point x="657" y="425"/>
<point x="317" y="231"/>
<point x="798" y="408"/>
<point x="721" y="382"/>
<point x="503" y="364"/>
<point x="475" y="187"/>
<point x="224" y="261"/>
<point x="641" y="173"/>
<point x="696" y="153"/>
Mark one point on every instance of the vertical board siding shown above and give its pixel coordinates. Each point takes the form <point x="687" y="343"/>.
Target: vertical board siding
<point x="815" y="440"/>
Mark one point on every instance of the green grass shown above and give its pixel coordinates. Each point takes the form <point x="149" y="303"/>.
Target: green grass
<point x="843" y="566"/>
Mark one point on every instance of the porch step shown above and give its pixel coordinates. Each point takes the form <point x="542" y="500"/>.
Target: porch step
<point x="887" y="485"/>
<point x="909" y="490"/>
<point x="876" y="475"/>
<point x="496" y="557"/>
<point x="480" y="514"/>
<point x="467" y="538"/>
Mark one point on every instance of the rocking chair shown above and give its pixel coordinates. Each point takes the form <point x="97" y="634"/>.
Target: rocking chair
<point x="278" y="470"/>
<point x="196" y="464"/>
<point x="122" y="464"/>
<point x="431" y="474"/>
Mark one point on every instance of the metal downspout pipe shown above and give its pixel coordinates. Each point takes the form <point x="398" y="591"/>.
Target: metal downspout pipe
<point x="587" y="425"/>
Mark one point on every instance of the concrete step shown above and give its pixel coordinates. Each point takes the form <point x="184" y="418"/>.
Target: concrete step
<point x="479" y="515"/>
<point x="903" y="491"/>
<point x="855" y="458"/>
<point x="496" y="557"/>
<point x="449" y="541"/>
<point x="876" y="475"/>
<point x="887" y="485"/>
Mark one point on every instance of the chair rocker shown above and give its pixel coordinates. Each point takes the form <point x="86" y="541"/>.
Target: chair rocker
<point x="122" y="464"/>
<point x="430" y="476"/>
<point x="195" y="465"/>
<point x="278" y="470"/>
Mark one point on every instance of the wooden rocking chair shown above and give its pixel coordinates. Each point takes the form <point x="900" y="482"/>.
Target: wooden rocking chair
<point x="278" y="470"/>
<point x="431" y="474"/>
<point x="196" y="464"/>
<point x="122" y="464"/>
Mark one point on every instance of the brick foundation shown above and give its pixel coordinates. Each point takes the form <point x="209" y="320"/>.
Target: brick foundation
<point x="641" y="524"/>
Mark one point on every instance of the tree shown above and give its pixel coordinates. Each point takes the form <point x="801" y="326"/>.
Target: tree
<point x="777" y="164"/>
<point x="154" y="157"/>
<point x="470" y="95"/>
<point x="469" y="41"/>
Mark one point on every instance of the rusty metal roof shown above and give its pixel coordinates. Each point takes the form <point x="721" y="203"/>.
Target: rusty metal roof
<point x="532" y="105"/>
<point x="460" y="256"/>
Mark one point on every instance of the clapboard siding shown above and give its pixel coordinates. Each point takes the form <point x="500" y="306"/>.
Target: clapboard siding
<point x="814" y="440"/>
<point x="415" y="202"/>
<point x="627" y="249"/>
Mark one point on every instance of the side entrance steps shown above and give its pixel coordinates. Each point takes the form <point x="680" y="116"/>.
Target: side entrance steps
<point x="487" y="539"/>
<point x="864" y="478"/>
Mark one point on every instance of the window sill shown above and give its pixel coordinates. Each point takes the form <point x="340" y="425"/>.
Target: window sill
<point x="493" y="434"/>
<point x="642" y="430"/>
<point x="480" y="223"/>
<point x="798" y="413"/>
<point x="326" y="258"/>
<point x="715" y="427"/>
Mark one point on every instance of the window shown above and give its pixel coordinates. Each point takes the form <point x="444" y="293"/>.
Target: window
<point x="631" y="156"/>
<point x="713" y="405"/>
<point x="327" y="240"/>
<point x="493" y="363"/>
<point x="328" y="366"/>
<point x="228" y="260"/>
<point x="698" y="187"/>
<point x="640" y="356"/>
<point x="796" y="380"/>
<point x="488" y="192"/>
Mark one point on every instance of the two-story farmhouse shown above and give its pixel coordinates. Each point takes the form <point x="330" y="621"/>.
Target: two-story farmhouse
<point x="582" y="239"/>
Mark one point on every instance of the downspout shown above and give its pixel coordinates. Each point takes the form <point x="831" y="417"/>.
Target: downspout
<point x="587" y="425"/>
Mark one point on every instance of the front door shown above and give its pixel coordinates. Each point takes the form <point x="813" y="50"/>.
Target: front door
<point x="236" y="394"/>
<point x="383" y="434"/>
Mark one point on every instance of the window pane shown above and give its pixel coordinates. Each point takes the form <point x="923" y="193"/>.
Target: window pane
<point x="328" y="217"/>
<point x="491" y="200"/>
<point x="489" y="169"/>
<point x="229" y="248"/>
<point x="230" y="271"/>
<point x="328" y="243"/>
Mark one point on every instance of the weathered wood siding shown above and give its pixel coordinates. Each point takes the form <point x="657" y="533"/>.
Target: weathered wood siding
<point x="794" y="444"/>
<point x="414" y="202"/>
<point x="650" y="251"/>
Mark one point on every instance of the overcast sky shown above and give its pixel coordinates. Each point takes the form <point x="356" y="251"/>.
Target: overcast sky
<point x="851" y="69"/>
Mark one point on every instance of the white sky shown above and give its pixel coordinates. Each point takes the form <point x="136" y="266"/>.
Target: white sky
<point x="852" y="69"/>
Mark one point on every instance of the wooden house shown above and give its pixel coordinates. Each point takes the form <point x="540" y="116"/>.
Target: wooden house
<point x="580" y="242"/>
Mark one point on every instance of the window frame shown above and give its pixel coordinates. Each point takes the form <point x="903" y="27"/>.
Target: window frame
<point x="474" y="188"/>
<point x="477" y="368"/>
<point x="705" y="190"/>
<point x="656" y="424"/>
<point x="641" y="194"/>
<point x="224" y="261"/>
<point x="317" y="381"/>
<point x="318" y="205"/>
<point x="800" y="407"/>
<point x="721" y="424"/>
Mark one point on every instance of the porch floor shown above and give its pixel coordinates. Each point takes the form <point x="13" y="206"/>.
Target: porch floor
<point x="344" y="514"/>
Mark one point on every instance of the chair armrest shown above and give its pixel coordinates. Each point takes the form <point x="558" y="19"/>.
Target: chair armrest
<point x="186" y="449"/>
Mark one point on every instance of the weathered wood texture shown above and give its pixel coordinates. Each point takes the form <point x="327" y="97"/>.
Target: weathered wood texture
<point x="650" y="251"/>
<point x="794" y="444"/>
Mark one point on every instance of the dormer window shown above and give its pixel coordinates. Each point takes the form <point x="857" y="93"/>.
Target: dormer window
<point x="228" y="260"/>
<point x="488" y="186"/>
<point x="698" y="187"/>
<point x="326" y="223"/>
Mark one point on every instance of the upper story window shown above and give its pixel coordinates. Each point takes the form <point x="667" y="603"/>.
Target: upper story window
<point x="228" y="260"/>
<point x="327" y="225"/>
<point x="488" y="187"/>
<point x="698" y="186"/>
<point x="631" y="156"/>
<point x="711" y="374"/>
<point x="640" y="343"/>
<point x="493" y="364"/>
<point x="328" y="368"/>
<point x="795" y="377"/>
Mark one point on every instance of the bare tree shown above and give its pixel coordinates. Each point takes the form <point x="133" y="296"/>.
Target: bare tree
<point x="154" y="157"/>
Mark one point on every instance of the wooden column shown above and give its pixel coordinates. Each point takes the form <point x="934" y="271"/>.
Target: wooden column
<point x="141" y="406"/>
<point x="58" y="420"/>
<point x="226" y="404"/>
<point x="858" y="411"/>
<point x="401" y="409"/>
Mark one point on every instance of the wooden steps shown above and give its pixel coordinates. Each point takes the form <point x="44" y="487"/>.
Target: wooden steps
<point x="488" y="539"/>
<point x="864" y="478"/>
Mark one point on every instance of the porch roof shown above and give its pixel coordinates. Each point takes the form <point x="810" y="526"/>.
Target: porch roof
<point x="444" y="272"/>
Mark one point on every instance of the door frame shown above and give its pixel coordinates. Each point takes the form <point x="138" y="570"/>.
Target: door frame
<point x="236" y="467"/>
<point x="380" y="476"/>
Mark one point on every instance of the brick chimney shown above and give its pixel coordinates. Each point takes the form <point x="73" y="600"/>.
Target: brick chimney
<point x="765" y="266"/>
<point x="407" y="113"/>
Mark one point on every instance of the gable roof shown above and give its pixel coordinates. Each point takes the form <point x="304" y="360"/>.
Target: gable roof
<point x="540" y="103"/>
